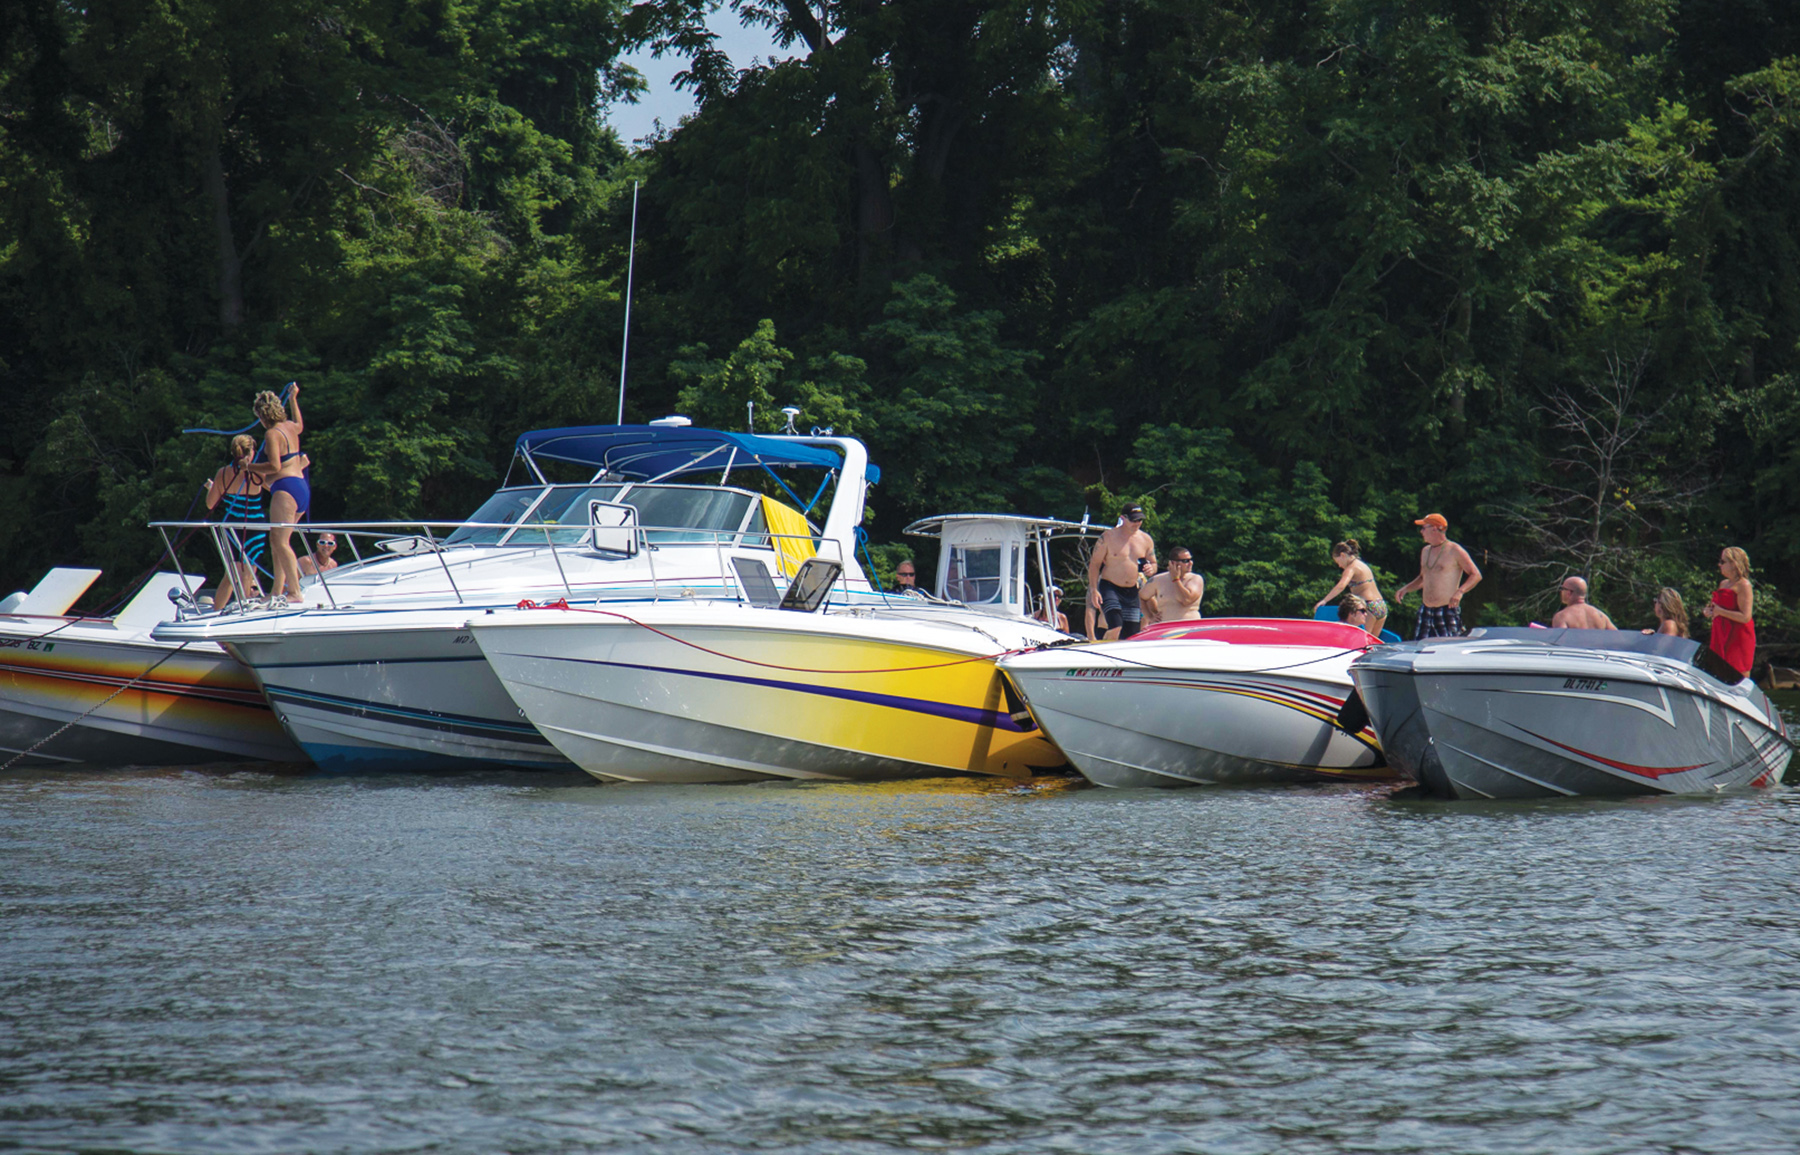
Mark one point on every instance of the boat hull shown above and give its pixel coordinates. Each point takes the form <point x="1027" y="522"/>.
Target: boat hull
<point x="407" y="699"/>
<point x="1472" y="735"/>
<point x="1137" y="718"/>
<point x="734" y="694"/>
<point x="197" y="706"/>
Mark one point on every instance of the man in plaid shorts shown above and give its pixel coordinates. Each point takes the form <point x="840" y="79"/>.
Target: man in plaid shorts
<point x="1446" y="573"/>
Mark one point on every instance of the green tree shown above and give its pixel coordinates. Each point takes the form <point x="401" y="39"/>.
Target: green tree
<point x="1261" y="540"/>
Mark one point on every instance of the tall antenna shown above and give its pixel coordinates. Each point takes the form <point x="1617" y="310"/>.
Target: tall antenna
<point x="630" y="268"/>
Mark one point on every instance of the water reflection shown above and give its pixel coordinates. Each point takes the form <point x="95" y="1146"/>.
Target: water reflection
<point x="242" y="961"/>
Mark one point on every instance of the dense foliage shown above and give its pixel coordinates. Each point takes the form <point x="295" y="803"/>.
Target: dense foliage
<point x="1288" y="272"/>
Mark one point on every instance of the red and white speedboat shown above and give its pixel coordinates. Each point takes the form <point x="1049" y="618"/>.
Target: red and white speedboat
<point x="1218" y="701"/>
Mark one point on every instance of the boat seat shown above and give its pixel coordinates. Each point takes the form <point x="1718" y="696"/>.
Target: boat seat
<point x="807" y="592"/>
<point x="152" y="604"/>
<point x="58" y="590"/>
<point x="753" y="578"/>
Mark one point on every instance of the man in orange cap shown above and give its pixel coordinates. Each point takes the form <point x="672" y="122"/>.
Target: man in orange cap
<point x="1446" y="573"/>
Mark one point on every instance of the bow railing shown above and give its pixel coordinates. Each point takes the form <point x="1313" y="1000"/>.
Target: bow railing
<point x="587" y="548"/>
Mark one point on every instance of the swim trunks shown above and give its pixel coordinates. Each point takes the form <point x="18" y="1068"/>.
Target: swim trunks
<point x="1121" y="607"/>
<point x="1439" y="622"/>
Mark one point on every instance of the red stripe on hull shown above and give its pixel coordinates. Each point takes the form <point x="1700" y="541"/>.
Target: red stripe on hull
<point x="1628" y="767"/>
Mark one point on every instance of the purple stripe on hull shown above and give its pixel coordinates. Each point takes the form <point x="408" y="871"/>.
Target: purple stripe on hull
<point x="971" y="714"/>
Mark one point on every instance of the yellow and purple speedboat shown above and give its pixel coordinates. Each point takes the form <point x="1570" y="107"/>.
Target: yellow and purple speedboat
<point x="734" y="691"/>
<point x="798" y="684"/>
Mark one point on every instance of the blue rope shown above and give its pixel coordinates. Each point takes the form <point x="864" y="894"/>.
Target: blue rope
<point x="285" y="394"/>
<point x="783" y="484"/>
<point x="823" y="482"/>
<point x="862" y="543"/>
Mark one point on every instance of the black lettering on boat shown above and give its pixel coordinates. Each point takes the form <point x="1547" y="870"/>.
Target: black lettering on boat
<point x="1584" y="684"/>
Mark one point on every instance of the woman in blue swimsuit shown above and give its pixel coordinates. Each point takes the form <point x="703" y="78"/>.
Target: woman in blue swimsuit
<point x="284" y="468"/>
<point x="238" y="486"/>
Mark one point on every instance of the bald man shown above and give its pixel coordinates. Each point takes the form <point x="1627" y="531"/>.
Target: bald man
<point x="1576" y="614"/>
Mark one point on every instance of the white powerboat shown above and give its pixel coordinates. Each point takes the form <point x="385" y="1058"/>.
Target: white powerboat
<point x="101" y="691"/>
<point x="384" y="675"/>
<point x="1218" y="701"/>
<point x="773" y="687"/>
<point x="1534" y="713"/>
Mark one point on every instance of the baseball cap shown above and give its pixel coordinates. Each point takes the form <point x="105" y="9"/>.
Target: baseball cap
<point x="1132" y="511"/>
<point x="1436" y="519"/>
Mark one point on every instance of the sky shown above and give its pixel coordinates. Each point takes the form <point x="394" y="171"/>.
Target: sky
<point x="664" y="101"/>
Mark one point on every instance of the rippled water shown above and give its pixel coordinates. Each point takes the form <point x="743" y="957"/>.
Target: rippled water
<point x="239" y="962"/>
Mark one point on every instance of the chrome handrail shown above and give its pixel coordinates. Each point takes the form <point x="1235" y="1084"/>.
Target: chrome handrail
<point x="225" y="539"/>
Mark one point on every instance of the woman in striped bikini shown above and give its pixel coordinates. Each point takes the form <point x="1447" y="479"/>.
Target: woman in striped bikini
<point x="242" y="492"/>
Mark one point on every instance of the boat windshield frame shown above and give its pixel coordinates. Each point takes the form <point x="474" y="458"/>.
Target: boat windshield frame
<point x="657" y="532"/>
<point x="1668" y="646"/>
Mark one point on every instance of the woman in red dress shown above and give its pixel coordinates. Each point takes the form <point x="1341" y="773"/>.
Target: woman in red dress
<point x="1733" y="626"/>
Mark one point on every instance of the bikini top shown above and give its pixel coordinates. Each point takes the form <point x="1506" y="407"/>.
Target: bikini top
<point x="286" y="457"/>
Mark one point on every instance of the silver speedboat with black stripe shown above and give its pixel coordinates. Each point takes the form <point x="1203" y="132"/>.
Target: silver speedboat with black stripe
<point x="1536" y="713"/>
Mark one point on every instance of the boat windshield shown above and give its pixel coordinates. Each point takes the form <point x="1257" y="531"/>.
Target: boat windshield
<point x="678" y="512"/>
<point x="566" y="507"/>
<point x="504" y="508"/>
<point x="689" y="513"/>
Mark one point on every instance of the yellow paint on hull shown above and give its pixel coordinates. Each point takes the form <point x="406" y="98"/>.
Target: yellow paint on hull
<point x="915" y="709"/>
<point x="203" y="700"/>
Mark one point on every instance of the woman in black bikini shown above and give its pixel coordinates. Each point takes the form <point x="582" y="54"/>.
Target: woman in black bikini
<point x="284" y="468"/>
<point x="1359" y="579"/>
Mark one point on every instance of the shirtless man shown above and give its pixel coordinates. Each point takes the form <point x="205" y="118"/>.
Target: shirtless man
<point x="1576" y="613"/>
<point x="1446" y="573"/>
<point x="320" y="560"/>
<point x="1174" y="596"/>
<point x="1120" y="556"/>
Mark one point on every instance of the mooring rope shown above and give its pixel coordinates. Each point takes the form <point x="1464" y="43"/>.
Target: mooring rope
<point x="41" y="743"/>
<point x="563" y="604"/>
